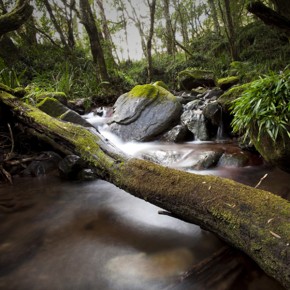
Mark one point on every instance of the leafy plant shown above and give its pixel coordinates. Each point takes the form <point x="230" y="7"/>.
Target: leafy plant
<point x="264" y="107"/>
<point x="64" y="80"/>
<point x="10" y="78"/>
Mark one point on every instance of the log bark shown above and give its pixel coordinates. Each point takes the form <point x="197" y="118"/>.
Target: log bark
<point x="252" y="220"/>
<point x="269" y="16"/>
<point x="14" y="19"/>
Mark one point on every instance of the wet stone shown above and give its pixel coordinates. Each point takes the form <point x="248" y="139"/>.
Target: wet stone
<point x="238" y="159"/>
<point x="70" y="167"/>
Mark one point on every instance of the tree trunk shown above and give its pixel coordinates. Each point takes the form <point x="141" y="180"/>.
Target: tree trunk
<point x="214" y="16"/>
<point x="139" y="26"/>
<point x="179" y="8"/>
<point x="169" y="31"/>
<point x="229" y="28"/>
<point x="152" y="8"/>
<point x="282" y="7"/>
<point x="269" y="16"/>
<point x="69" y="17"/>
<point x="55" y="23"/>
<point x="14" y="19"/>
<point x="107" y="34"/>
<point x="252" y="220"/>
<point x="88" y="21"/>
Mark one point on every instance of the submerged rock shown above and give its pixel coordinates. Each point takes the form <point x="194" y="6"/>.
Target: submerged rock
<point x="70" y="167"/>
<point x="44" y="163"/>
<point x="179" y="133"/>
<point x="207" y="160"/>
<point x="144" y="113"/>
<point x="237" y="159"/>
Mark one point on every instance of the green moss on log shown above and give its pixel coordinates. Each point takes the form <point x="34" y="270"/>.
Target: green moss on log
<point x="85" y="143"/>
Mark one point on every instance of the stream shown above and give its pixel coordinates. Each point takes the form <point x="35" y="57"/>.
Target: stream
<point x="94" y="236"/>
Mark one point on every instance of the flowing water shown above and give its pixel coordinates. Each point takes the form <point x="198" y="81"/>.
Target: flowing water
<point x="93" y="236"/>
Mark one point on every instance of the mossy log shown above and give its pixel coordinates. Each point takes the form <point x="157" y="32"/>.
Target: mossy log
<point x="15" y="18"/>
<point x="269" y="16"/>
<point x="252" y="220"/>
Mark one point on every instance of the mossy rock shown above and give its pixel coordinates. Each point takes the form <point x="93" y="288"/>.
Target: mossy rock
<point x="161" y="84"/>
<point x="144" y="113"/>
<point x="128" y="110"/>
<point x="228" y="82"/>
<point x="190" y="79"/>
<point x="74" y="117"/>
<point x="55" y="109"/>
<point x="198" y="90"/>
<point x="144" y="91"/>
<point x="232" y="94"/>
<point x="52" y="107"/>
<point x="276" y="153"/>
<point x="60" y="96"/>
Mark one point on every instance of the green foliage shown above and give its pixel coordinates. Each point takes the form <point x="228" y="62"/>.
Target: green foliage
<point x="9" y="76"/>
<point x="50" y="68"/>
<point x="266" y="48"/>
<point x="264" y="107"/>
<point x="135" y="72"/>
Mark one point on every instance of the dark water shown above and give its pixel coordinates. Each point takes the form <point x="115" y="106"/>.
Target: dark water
<point x="92" y="235"/>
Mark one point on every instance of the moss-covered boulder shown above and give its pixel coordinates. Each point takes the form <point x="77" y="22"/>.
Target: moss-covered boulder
<point x="228" y="82"/>
<point x="190" y="79"/>
<point x="233" y="93"/>
<point x="144" y="113"/>
<point x="56" y="109"/>
<point x="161" y="84"/>
<point x="275" y="152"/>
<point x="60" y="96"/>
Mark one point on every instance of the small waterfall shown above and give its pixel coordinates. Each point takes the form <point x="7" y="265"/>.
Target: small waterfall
<point x="221" y="132"/>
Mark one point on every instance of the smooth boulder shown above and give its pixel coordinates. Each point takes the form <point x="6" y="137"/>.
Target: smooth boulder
<point x="144" y="113"/>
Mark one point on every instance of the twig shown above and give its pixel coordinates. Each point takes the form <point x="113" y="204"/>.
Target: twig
<point x="12" y="141"/>
<point x="259" y="183"/>
<point x="6" y="174"/>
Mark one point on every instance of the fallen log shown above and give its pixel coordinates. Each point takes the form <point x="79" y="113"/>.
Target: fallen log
<point x="252" y="220"/>
<point x="269" y="16"/>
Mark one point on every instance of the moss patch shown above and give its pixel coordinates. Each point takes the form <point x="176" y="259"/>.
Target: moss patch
<point x="226" y="83"/>
<point x="151" y="92"/>
<point x="161" y="84"/>
<point x="235" y="92"/>
<point x="145" y="91"/>
<point x="52" y="107"/>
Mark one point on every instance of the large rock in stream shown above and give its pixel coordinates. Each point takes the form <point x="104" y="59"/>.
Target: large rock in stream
<point x="144" y="113"/>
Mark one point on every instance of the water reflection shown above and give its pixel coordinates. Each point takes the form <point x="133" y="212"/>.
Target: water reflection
<point x="75" y="235"/>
